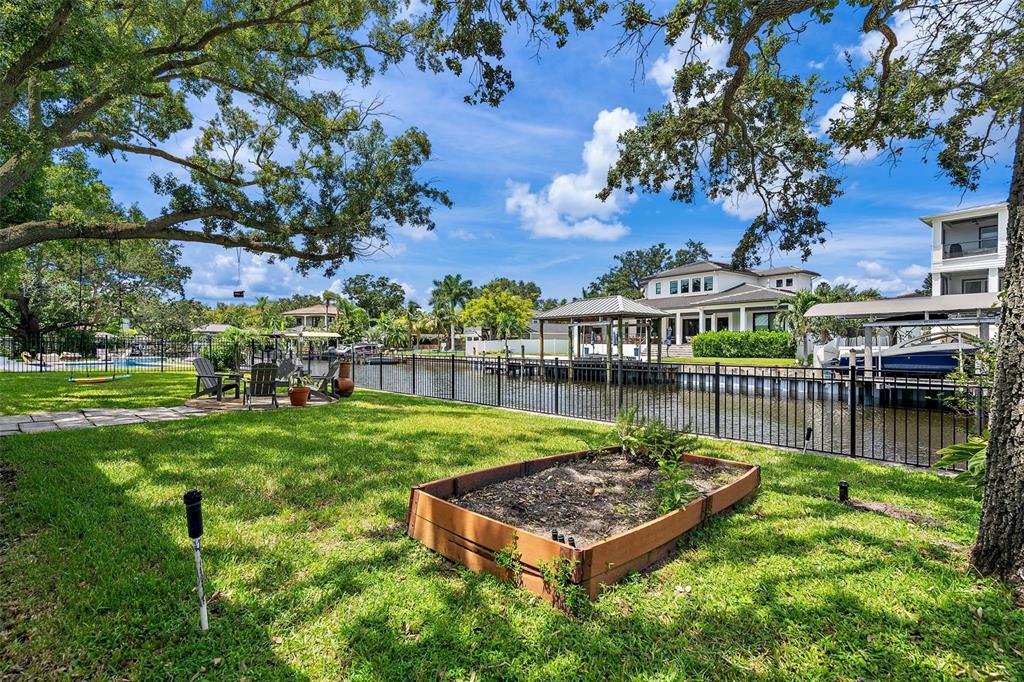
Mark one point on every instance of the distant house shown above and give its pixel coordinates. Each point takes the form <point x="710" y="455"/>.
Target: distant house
<point x="213" y="329"/>
<point x="711" y="296"/>
<point x="318" y="316"/>
<point x="968" y="249"/>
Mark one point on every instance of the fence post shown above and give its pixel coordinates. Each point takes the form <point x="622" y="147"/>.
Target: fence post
<point x="852" y="395"/>
<point x="380" y="368"/>
<point x="557" y="372"/>
<point x="499" y="381"/>
<point x="718" y="399"/>
<point x="414" y="373"/>
<point x="979" y="409"/>
<point x="163" y="352"/>
<point x="453" y="376"/>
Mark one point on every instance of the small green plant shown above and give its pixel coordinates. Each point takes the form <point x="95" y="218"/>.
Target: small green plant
<point x="557" y="574"/>
<point x="656" y="445"/>
<point x="974" y="452"/>
<point x="510" y="559"/>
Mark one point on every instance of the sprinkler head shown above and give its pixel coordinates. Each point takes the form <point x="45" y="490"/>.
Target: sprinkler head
<point x="194" y="513"/>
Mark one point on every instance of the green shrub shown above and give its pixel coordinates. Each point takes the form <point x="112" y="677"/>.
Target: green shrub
<point x="759" y="344"/>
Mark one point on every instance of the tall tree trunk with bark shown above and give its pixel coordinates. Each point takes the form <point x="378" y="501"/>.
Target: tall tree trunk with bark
<point x="999" y="549"/>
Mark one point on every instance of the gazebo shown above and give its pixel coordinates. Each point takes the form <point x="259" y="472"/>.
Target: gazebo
<point x="605" y="313"/>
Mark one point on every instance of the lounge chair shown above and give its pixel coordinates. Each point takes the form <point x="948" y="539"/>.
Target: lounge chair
<point x="323" y="386"/>
<point x="285" y="371"/>
<point x="209" y="382"/>
<point x="262" y="383"/>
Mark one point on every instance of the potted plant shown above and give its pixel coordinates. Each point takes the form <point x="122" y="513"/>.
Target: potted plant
<point x="298" y="395"/>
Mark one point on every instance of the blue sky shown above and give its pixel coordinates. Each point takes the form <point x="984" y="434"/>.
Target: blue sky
<point x="523" y="178"/>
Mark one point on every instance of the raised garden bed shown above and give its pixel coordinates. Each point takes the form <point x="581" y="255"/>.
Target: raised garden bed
<point x="605" y="503"/>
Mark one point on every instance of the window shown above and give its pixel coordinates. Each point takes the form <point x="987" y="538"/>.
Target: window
<point x="764" y="321"/>
<point x="778" y="284"/>
<point x="657" y="287"/>
<point x="684" y="286"/>
<point x="696" y="284"/>
<point x="988" y="236"/>
<point x="974" y="286"/>
<point x="709" y="283"/>
<point x="672" y="287"/>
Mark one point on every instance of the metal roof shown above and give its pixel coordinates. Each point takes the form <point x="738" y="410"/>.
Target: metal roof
<point x="693" y="268"/>
<point x="608" y="307"/>
<point x="311" y="310"/>
<point x="892" y="307"/>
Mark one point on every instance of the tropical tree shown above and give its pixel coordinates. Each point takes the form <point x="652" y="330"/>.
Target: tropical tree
<point x="389" y="330"/>
<point x="500" y="313"/>
<point x="450" y="293"/>
<point x="793" y="315"/>
<point x="943" y="78"/>
<point x="412" y="314"/>
<point x="352" y="322"/>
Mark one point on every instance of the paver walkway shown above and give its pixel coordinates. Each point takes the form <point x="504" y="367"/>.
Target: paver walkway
<point x="90" y="417"/>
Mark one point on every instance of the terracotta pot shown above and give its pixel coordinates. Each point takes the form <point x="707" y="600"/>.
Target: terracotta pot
<point x="345" y="370"/>
<point x="345" y="387"/>
<point x="299" y="396"/>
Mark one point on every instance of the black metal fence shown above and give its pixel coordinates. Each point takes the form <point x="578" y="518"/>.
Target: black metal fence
<point x="903" y="419"/>
<point x="84" y="353"/>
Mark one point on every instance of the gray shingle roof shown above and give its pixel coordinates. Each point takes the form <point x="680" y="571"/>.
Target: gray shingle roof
<point x="699" y="266"/>
<point x="608" y="307"/>
<point x="786" y="270"/>
<point x="741" y="293"/>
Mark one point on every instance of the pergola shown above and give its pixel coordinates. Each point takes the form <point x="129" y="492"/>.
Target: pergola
<point x="604" y="313"/>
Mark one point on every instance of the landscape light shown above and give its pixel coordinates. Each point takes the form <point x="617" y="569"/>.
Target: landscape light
<point x="844" y="491"/>
<point x="194" y="517"/>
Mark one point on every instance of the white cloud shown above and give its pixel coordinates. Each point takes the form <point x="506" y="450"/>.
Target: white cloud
<point x="663" y="71"/>
<point x="817" y="64"/>
<point x="568" y="207"/>
<point x="876" y="275"/>
<point x="914" y="272"/>
<point x="742" y="205"/>
<point x="464" y="235"/>
<point x="410" y="290"/>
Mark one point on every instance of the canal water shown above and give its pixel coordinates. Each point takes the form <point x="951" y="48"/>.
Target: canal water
<point x="800" y="411"/>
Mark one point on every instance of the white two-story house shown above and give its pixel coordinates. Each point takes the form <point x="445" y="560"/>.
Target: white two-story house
<point x="968" y="250"/>
<point x="710" y="296"/>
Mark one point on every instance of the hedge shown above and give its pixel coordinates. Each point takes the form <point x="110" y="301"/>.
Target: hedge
<point x="759" y="344"/>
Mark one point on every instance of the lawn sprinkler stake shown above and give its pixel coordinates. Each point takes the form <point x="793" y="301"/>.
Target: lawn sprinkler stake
<point x="194" y="517"/>
<point x="808" y="434"/>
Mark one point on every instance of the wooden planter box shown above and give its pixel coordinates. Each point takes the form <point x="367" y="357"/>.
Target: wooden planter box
<point x="472" y="539"/>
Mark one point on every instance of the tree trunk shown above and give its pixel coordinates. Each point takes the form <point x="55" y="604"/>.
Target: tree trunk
<point x="999" y="548"/>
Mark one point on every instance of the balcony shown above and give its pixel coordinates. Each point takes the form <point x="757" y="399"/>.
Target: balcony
<point x="971" y="248"/>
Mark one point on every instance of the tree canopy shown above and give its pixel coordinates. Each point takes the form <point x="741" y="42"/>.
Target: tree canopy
<point x="632" y="267"/>
<point x="276" y="168"/>
<point x="376" y="295"/>
<point x="499" y="313"/>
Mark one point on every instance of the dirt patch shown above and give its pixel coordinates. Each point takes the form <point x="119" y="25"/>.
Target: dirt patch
<point x="587" y="499"/>
<point x="893" y="512"/>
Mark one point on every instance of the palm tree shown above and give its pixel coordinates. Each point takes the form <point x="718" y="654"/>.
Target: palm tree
<point x="413" y="313"/>
<point x="450" y="293"/>
<point x="794" y="316"/>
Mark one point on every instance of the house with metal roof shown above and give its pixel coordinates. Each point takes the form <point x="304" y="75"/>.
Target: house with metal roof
<point x="711" y="296"/>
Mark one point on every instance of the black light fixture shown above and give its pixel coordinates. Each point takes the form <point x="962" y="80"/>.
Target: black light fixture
<point x="844" y="491"/>
<point x="194" y="517"/>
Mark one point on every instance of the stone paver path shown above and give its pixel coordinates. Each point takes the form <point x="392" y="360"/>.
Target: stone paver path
<point x="88" y="418"/>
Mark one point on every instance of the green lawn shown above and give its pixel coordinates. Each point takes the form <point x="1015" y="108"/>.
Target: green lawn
<point x="314" y="578"/>
<point x="51" y="391"/>
<point x="759" y="362"/>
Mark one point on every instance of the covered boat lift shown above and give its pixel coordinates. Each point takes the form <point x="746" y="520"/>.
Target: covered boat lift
<point x="981" y="310"/>
<point x="605" y="313"/>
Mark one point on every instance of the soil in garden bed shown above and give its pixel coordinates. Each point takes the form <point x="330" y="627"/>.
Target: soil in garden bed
<point x="587" y="499"/>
